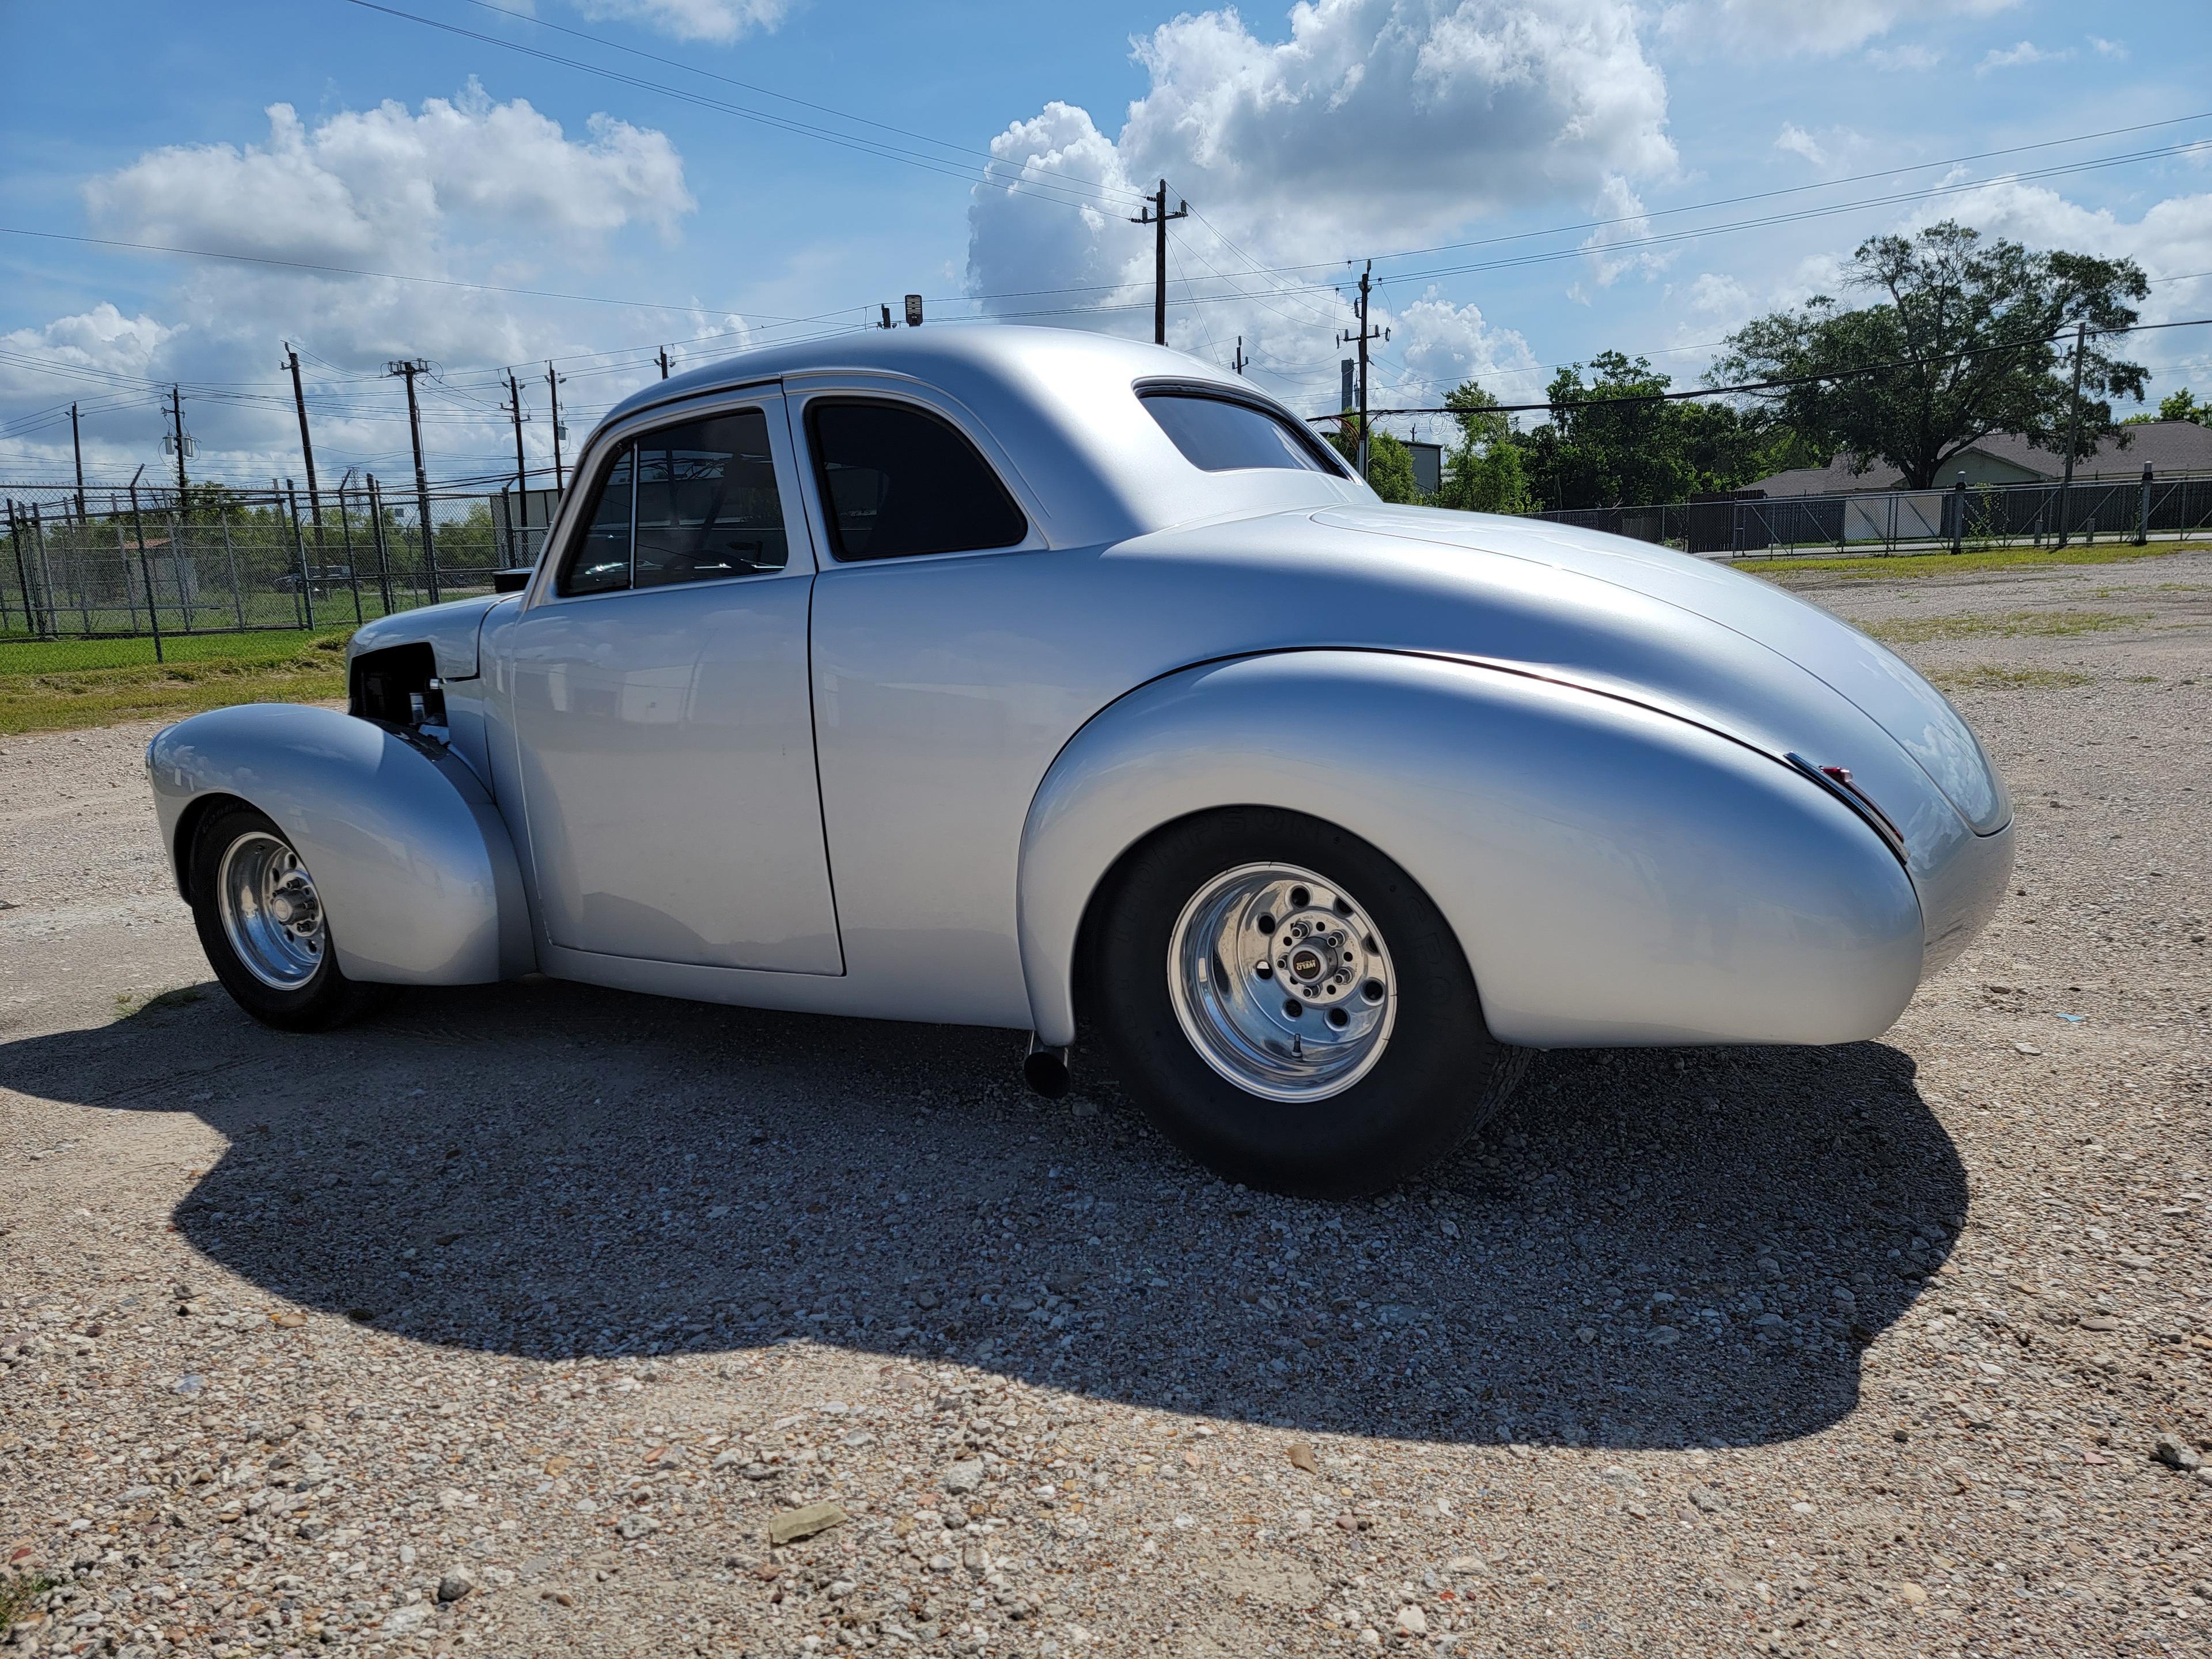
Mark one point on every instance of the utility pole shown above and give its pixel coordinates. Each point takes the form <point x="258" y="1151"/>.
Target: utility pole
<point x="1158" y="215"/>
<point x="663" y="362"/>
<point x="407" y="369"/>
<point x="1363" y="335"/>
<point x="176" y="415"/>
<point x="553" y="387"/>
<point x="307" y="452"/>
<point x="2073" y="434"/>
<point x="1241" y="359"/>
<point x="521" y="472"/>
<point x="76" y="445"/>
<point x="514" y="408"/>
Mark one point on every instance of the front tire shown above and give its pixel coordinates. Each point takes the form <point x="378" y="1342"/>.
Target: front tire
<point x="1290" y="1008"/>
<point x="260" y="920"/>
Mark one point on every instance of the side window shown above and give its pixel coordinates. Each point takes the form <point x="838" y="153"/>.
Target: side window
<point x="707" y="502"/>
<point x="691" y="503"/>
<point x="600" y="563"/>
<point x="896" y="482"/>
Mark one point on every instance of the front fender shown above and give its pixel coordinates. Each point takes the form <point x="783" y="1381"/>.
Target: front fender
<point x="412" y="860"/>
<point x="1615" y="875"/>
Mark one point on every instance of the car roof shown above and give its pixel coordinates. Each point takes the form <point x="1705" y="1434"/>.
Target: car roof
<point x="961" y="350"/>
<point x="1060" y="406"/>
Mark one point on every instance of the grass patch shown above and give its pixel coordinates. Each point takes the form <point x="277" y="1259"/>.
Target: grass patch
<point x="42" y="689"/>
<point x="128" y="1003"/>
<point x="272" y="645"/>
<point x="2012" y="625"/>
<point x="1989" y="676"/>
<point x="18" y="1592"/>
<point x="1900" y="566"/>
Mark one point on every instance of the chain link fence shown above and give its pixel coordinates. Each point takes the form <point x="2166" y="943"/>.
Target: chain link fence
<point x="110" y="564"/>
<point x="170" y="564"/>
<point x="1957" y="519"/>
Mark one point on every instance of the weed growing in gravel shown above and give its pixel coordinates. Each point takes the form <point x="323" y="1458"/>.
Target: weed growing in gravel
<point x="18" y="1591"/>
<point x="128" y="1003"/>
<point x="1893" y="567"/>
<point x="2012" y="625"/>
<point x="1989" y="676"/>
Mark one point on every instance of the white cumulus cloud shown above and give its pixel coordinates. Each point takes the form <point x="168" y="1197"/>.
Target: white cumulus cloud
<point x="1370" y="123"/>
<point x="2019" y="56"/>
<point x="375" y="181"/>
<point x="1793" y="140"/>
<point x="456" y="191"/>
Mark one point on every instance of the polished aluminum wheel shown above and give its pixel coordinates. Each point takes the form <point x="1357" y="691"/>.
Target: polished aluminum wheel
<point x="271" y="913"/>
<point x="1282" y="984"/>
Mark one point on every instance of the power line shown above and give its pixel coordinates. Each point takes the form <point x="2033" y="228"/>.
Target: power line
<point x="771" y="321"/>
<point x="1793" y="189"/>
<point x="1082" y="193"/>
<point x="782" y="97"/>
<point x="353" y="270"/>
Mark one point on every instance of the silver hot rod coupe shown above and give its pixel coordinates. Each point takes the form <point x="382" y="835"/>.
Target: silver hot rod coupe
<point x="1023" y="677"/>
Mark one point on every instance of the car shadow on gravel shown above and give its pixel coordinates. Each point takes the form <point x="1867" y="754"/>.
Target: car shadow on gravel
<point x="1647" y="1248"/>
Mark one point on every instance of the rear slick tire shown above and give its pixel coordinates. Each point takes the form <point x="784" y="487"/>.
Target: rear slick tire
<point x="260" y="920"/>
<point x="1290" y="1008"/>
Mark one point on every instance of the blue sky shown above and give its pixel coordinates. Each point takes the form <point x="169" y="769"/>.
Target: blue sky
<point x="474" y="177"/>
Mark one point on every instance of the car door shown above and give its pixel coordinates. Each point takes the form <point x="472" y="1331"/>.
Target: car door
<point x="661" y="705"/>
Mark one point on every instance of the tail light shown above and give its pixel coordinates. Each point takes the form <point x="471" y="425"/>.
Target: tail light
<point x="1837" y="781"/>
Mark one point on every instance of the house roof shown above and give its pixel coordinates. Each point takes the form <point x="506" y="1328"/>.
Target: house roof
<point x="2167" y="445"/>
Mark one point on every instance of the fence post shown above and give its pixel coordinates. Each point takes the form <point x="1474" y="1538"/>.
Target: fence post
<point x="1958" y="515"/>
<point x="299" y="546"/>
<point x="24" y="572"/>
<point x="2142" y="509"/>
<point x="123" y="559"/>
<point x="7" y="613"/>
<point x="383" y="558"/>
<point x="177" y="522"/>
<point x="353" y="570"/>
<point x="46" y="569"/>
<point x="146" y="571"/>
<point x="230" y="563"/>
<point x="429" y="548"/>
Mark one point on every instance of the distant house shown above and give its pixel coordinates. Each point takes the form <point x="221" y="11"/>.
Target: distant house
<point x="2169" y="448"/>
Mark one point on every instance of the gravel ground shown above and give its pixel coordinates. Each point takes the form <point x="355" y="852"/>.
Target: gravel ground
<point x="526" y="1319"/>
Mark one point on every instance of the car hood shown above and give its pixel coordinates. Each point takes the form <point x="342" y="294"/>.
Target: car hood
<point x="1873" y="679"/>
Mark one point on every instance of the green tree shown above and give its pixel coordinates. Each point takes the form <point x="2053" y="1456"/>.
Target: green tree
<point x="1483" y="472"/>
<point x="1975" y="331"/>
<point x="1617" y="441"/>
<point x="2182" y="405"/>
<point x="1389" y="463"/>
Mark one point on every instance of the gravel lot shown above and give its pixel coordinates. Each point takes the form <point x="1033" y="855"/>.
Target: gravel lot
<point x="512" y="1321"/>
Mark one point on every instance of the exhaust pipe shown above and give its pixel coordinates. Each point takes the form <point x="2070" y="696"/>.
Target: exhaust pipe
<point x="1045" y="1070"/>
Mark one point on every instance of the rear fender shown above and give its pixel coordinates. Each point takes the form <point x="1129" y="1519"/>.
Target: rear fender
<point x="411" y="858"/>
<point x="1615" y="875"/>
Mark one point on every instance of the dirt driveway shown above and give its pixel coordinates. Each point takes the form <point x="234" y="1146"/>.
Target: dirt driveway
<point x="511" y="1321"/>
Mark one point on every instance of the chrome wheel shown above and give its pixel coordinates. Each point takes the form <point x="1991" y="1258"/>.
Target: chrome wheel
<point x="1281" y="983"/>
<point x="271" y="913"/>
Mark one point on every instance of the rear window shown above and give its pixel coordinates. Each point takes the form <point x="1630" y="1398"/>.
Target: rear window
<point x="1221" y="434"/>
